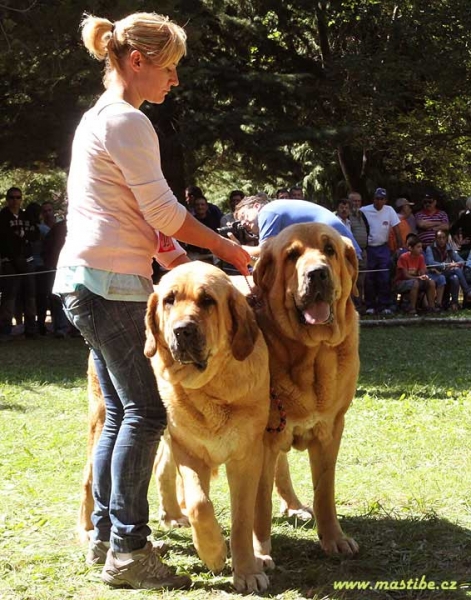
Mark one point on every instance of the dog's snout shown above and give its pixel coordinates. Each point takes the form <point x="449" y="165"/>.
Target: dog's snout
<point x="318" y="275"/>
<point x="185" y="330"/>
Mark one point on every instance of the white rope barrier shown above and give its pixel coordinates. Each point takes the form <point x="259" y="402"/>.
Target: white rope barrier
<point x="27" y="274"/>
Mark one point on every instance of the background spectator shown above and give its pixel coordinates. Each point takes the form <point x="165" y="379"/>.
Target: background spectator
<point x="210" y="219"/>
<point x="282" y="194"/>
<point x="296" y="192"/>
<point x="429" y="220"/>
<point x="234" y="198"/>
<point x="404" y="212"/>
<point x="343" y="212"/>
<point x="16" y="237"/>
<point x="441" y="258"/>
<point x="191" y="193"/>
<point x="48" y="218"/>
<point x="381" y="219"/>
<point x="52" y="246"/>
<point x="412" y="278"/>
<point x="461" y="231"/>
<point x="360" y="231"/>
<point x="33" y="213"/>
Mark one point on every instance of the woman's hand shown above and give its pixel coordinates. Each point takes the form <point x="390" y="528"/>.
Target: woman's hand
<point x="233" y="253"/>
<point x="195" y="233"/>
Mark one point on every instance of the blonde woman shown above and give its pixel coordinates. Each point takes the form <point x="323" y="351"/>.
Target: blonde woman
<point x="122" y="213"/>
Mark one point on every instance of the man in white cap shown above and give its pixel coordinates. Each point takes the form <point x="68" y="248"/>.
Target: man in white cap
<point x="381" y="219"/>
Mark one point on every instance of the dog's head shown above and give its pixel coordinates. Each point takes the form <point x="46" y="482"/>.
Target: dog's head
<point x="305" y="276"/>
<point x="196" y="317"/>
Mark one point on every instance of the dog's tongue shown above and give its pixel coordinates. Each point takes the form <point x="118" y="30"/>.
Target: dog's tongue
<point x="317" y="314"/>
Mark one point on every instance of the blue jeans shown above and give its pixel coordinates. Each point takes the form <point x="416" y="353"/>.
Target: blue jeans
<point x="377" y="283"/>
<point x="455" y="279"/>
<point x="135" y="416"/>
<point x="22" y="290"/>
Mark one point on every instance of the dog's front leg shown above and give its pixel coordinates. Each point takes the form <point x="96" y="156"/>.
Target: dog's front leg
<point x="207" y="536"/>
<point x="244" y="476"/>
<point x="323" y="459"/>
<point x="165" y="471"/>
<point x="291" y="506"/>
<point x="264" y="505"/>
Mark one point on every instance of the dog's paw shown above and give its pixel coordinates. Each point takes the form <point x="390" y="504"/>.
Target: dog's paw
<point x="214" y="558"/>
<point x="303" y="513"/>
<point x="253" y="582"/>
<point x="342" y="545"/>
<point x="296" y="509"/>
<point x="265" y="562"/>
<point x="169" y="523"/>
<point x="84" y="535"/>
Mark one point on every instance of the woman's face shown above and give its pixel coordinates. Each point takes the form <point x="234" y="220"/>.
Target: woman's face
<point x="156" y="82"/>
<point x="144" y="81"/>
<point x="442" y="239"/>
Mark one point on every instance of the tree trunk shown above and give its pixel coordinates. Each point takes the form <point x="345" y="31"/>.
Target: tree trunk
<point x="353" y="170"/>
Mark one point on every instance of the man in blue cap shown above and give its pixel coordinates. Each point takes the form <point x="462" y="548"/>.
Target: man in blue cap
<point x="381" y="218"/>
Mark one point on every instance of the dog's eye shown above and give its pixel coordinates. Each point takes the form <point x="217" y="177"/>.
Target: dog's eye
<point x="329" y="250"/>
<point x="169" y="299"/>
<point x="293" y="254"/>
<point x="206" y="301"/>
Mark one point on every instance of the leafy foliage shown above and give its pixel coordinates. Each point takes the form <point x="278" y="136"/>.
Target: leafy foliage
<point x="336" y="95"/>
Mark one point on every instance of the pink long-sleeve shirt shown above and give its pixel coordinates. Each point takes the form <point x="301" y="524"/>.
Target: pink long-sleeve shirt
<point x="118" y="196"/>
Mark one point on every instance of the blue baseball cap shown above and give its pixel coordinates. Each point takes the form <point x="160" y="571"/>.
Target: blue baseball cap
<point x="381" y="193"/>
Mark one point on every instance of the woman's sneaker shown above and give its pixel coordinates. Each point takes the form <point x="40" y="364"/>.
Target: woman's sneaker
<point x="144" y="570"/>
<point x="97" y="551"/>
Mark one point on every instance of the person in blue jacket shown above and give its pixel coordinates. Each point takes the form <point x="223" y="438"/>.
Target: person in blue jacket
<point x="267" y="218"/>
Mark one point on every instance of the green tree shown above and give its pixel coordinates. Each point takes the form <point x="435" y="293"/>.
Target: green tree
<point x="338" y="95"/>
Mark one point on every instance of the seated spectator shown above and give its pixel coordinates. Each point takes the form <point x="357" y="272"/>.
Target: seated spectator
<point x="204" y="215"/>
<point x="429" y="220"/>
<point x="404" y="212"/>
<point x="343" y="212"/>
<point x="411" y="276"/>
<point x="234" y="198"/>
<point x="210" y="219"/>
<point x="461" y="231"/>
<point x="16" y="236"/>
<point x="442" y="259"/>
<point x="191" y="193"/>
<point x="296" y="192"/>
<point x="282" y="194"/>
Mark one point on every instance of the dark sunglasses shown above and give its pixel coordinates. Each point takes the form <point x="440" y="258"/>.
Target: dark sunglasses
<point x="14" y="197"/>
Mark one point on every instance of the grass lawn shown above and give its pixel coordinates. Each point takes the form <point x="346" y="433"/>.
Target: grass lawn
<point x="403" y="489"/>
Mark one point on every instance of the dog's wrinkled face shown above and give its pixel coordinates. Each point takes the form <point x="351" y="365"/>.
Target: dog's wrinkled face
<point x="307" y="274"/>
<point x="197" y="315"/>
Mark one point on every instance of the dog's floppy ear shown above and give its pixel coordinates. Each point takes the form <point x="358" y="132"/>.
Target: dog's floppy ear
<point x="244" y="326"/>
<point x="351" y="262"/>
<point x="152" y="327"/>
<point x="264" y="271"/>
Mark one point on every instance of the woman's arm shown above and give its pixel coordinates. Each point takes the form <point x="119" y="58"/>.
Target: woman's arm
<point x="195" y="233"/>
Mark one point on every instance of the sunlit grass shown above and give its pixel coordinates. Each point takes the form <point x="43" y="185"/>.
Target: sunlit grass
<point x="402" y="485"/>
